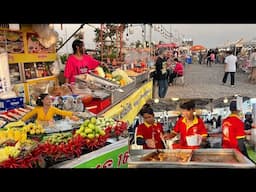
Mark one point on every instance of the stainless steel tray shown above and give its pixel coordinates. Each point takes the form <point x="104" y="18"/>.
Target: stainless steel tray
<point x="200" y="158"/>
<point x="220" y="158"/>
<point x="141" y="77"/>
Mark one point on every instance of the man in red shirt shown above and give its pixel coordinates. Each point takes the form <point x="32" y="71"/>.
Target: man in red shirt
<point x="150" y="132"/>
<point x="189" y="125"/>
<point x="233" y="134"/>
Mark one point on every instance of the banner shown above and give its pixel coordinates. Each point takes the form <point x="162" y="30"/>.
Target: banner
<point x="128" y="109"/>
<point x="114" y="159"/>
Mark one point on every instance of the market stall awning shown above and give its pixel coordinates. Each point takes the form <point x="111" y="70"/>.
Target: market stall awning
<point x="167" y="45"/>
<point x="197" y="48"/>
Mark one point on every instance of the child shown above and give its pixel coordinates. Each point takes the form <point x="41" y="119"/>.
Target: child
<point x="150" y="132"/>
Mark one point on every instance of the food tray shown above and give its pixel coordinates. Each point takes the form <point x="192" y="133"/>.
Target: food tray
<point x="62" y="126"/>
<point x="96" y="81"/>
<point x="168" y="156"/>
<point x="199" y="158"/>
<point x="141" y="77"/>
<point x="220" y="158"/>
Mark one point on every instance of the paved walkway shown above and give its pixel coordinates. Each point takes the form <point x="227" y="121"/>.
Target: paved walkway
<point x="206" y="82"/>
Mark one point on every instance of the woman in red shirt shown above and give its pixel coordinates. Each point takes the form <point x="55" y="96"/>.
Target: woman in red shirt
<point x="78" y="63"/>
<point x="149" y="133"/>
<point x="177" y="71"/>
<point x="189" y="125"/>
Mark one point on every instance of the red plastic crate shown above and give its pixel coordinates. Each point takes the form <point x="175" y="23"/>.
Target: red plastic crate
<point x="98" y="105"/>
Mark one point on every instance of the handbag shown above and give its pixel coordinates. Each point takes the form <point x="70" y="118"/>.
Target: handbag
<point x="152" y="74"/>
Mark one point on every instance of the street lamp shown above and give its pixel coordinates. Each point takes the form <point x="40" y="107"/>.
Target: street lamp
<point x="108" y="41"/>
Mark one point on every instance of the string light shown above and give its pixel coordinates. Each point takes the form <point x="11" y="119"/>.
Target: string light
<point x="127" y="37"/>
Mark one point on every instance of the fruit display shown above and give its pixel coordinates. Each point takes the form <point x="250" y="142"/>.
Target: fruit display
<point x="13" y="134"/>
<point x="26" y="145"/>
<point x="99" y="71"/>
<point x="34" y="128"/>
<point x="117" y="129"/>
<point x="120" y="77"/>
<point x="67" y="149"/>
<point x="58" y="138"/>
<point x="89" y="129"/>
<point x="15" y="124"/>
<point x="8" y="151"/>
<point x="45" y="150"/>
<point x="93" y="133"/>
<point x="131" y="73"/>
<point x="105" y="122"/>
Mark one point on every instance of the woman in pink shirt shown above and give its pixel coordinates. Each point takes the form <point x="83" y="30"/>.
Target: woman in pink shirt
<point x="177" y="71"/>
<point x="78" y="63"/>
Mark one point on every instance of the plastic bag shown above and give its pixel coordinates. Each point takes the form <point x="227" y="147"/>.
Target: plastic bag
<point x="55" y="68"/>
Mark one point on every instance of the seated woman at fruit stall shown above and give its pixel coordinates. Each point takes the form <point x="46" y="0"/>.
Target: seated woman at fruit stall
<point x="149" y="133"/>
<point x="44" y="111"/>
<point x="189" y="125"/>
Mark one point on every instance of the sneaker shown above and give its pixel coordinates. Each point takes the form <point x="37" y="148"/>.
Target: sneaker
<point x="232" y="86"/>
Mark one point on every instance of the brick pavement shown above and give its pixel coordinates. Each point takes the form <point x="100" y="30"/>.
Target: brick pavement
<point x="206" y="82"/>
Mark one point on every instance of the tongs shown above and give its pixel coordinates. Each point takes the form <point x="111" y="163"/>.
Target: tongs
<point x="163" y="140"/>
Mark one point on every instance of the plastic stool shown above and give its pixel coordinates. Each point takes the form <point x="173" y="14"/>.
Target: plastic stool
<point x="179" y="79"/>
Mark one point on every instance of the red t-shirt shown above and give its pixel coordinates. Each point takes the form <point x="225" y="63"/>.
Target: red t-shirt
<point x="197" y="127"/>
<point x="147" y="131"/>
<point x="179" y="68"/>
<point x="76" y="66"/>
<point x="232" y="129"/>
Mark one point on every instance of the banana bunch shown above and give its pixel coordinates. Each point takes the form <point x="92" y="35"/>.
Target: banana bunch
<point x="8" y="151"/>
<point x="34" y="128"/>
<point x="19" y="123"/>
<point x="13" y="134"/>
<point x="58" y="138"/>
<point x="25" y="145"/>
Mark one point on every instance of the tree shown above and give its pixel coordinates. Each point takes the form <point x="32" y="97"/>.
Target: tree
<point x="113" y="31"/>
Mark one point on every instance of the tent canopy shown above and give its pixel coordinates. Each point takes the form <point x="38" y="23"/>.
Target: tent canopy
<point x="167" y="45"/>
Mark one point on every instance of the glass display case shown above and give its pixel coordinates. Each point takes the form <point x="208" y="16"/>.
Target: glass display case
<point x="16" y="73"/>
<point x="34" y="70"/>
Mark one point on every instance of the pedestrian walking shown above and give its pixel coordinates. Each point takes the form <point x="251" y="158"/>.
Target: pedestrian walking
<point x="162" y="73"/>
<point x="230" y="68"/>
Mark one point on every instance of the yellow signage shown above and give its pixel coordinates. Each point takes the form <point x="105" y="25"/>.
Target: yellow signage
<point x="128" y="109"/>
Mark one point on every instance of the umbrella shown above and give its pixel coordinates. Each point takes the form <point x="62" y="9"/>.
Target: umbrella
<point x="197" y="48"/>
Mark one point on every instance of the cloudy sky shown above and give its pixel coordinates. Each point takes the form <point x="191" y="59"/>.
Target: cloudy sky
<point x="209" y="35"/>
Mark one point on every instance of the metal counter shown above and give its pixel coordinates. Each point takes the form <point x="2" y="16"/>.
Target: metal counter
<point x="200" y="158"/>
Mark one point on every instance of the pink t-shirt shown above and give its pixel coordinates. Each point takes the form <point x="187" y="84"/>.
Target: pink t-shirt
<point x="212" y="56"/>
<point x="76" y="66"/>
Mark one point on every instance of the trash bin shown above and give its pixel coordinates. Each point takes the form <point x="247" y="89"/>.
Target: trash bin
<point x="189" y="60"/>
